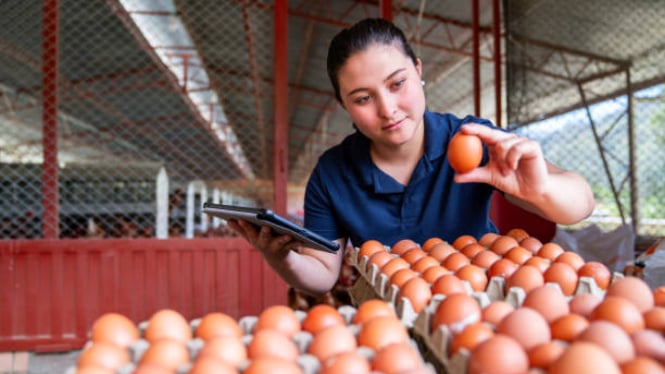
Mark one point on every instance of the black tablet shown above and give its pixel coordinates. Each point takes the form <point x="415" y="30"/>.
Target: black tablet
<point x="266" y="217"/>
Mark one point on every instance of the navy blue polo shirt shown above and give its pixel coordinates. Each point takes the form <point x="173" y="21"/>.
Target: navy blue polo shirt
<point x="347" y="195"/>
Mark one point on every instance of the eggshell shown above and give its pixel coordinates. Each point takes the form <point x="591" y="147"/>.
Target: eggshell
<point x="431" y="242"/>
<point x="268" y="342"/>
<point x="424" y="263"/>
<point x="513" y="325"/>
<point x="485" y="259"/>
<point x="502" y="268"/>
<point x="167" y="352"/>
<point x="642" y="365"/>
<point x="659" y="296"/>
<point x="434" y="272"/>
<point x="417" y="291"/>
<point x="584" y="303"/>
<point x="455" y="261"/>
<point x="531" y="243"/>
<point x="373" y="308"/>
<point x="649" y="343"/>
<point x="462" y="241"/>
<point x="498" y="354"/>
<point x="380" y="331"/>
<point x="346" y="363"/>
<point x="548" y="301"/>
<point x="475" y="275"/>
<point x="412" y="255"/>
<point x="319" y="317"/>
<point x="441" y="251"/>
<point x="550" y="251"/>
<point x="518" y="255"/>
<point x="610" y="337"/>
<point x="331" y="341"/>
<point x="654" y="319"/>
<point x="584" y="357"/>
<point x="396" y="358"/>
<point x="471" y="250"/>
<point x="104" y="354"/>
<point x="394" y="264"/>
<point x="272" y="365"/>
<point x="525" y="277"/>
<point x="634" y="289"/>
<point x="620" y="311"/>
<point x="228" y="349"/>
<point x="571" y="258"/>
<point x="170" y="324"/>
<point x="465" y="152"/>
<point x="218" y="324"/>
<point x="280" y="318"/>
<point x="564" y="275"/>
<point x="488" y="238"/>
<point x="494" y="312"/>
<point x="503" y="244"/>
<point x="456" y="311"/>
<point x="470" y="337"/>
<point x="210" y="364"/>
<point x="368" y="248"/>
<point x="600" y="273"/>
<point x="402" y="246"/>
<point x="543" y="355"/>
<point x="568" y="327"/>
<point x="539" y="263"/>
<point x="402" y="276"/>
<point x="448" y="284"/>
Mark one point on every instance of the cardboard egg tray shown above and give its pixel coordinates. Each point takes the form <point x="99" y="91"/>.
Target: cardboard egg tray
<point x="309" y="363"/>
<point x="434" y="345"/>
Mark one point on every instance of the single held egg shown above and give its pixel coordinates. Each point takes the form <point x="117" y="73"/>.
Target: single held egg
<point x="114" y="328"/>
<point x="659" y="296"/>
<point x="465" y="152"/>
<point x="168" y="323"/>
<point x="321" y="316"/>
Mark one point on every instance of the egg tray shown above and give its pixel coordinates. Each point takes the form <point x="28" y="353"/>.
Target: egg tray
<point x="308" y="363"/>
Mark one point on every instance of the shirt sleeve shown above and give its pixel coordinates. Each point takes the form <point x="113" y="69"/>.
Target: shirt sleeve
<point x="320" y="216"/>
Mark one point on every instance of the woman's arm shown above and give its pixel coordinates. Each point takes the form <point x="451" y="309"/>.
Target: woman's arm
<point x="518" y="168"/>
<point x="306" y="269"/>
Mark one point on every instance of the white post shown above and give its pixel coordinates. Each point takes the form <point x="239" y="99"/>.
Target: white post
<point x="193" y="188"/>
<point x="162" y="205"/>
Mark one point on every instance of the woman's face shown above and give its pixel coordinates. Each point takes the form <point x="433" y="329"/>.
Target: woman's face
<point x="381" y="90"/>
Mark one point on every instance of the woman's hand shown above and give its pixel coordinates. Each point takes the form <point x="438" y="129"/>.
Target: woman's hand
<point x="518" y="168"/>
<point x="273" y="248"/>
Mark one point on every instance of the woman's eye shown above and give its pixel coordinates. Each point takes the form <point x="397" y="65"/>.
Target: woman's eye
<point x="399" y="83"/>
<point x="361" y="100"/>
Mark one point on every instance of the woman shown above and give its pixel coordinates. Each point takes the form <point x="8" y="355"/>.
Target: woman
<point x="390" y="180"/>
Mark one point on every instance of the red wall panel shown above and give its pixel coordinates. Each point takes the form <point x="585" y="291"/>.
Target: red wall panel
<point x="53" y="290"/>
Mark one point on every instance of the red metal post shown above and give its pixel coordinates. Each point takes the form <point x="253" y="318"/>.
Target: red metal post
<point x="281" y="127"/>
<point x="475" y="25"/>
<point x="386" y="9"/>
<point x="50" y="119"/>
<point x="496" y="31"/>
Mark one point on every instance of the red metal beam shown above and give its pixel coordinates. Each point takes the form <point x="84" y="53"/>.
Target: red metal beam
<point x="50" y="21"/>
<point x="496" y="32"/>
<point x="281" y="109"/>
<point x="475" y="21"/>
<point x="386" y="9"/>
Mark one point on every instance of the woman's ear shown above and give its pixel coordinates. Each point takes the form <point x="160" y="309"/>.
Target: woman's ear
<point x="419" y="67"/>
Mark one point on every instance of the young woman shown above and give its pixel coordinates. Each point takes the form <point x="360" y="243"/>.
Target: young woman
<point x="391" y="180"/>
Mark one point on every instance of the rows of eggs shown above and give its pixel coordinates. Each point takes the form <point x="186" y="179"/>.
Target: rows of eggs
<point x="530" y="307"/>
<point x="367" y="339"/>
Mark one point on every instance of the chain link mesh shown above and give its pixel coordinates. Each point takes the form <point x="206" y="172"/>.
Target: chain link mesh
<point x="585" y="78"/>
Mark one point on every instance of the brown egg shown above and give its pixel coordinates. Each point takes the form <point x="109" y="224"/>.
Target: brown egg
<point x="114" y="328"/>
<point x="502" y="268"/>
<point x="368" y="248"/>
<point x="441" y="251"/>
<point x="402" y="276"/>
<point x="548" y="301"/>
<point x="584" y="357"/>
<point x="431" y="242"/>
<point x="470" y="337"/>
<point x="396" y="358"/>
<point x="332" y="341"/>
<point x="280" y="318"/>
<point x="513" y="325"/>
<point x="475" y="275"/>
<point x="151" y="368"/>
<point x="659" y="296"/>
<point x="346" y="363"/>
<point x="568" y="327"/>
<point x="598" y="272"/>
<point x="456" y="311"/>
<point x="103" y="354"/>
<point x="531" y="243"/>
<point x="412" y="255"/>
<point x="462" y="241"/>
<point x="642" y="365"/>
<point x="610" y="337"/>
<point x="564" y="275"/>
<point x="503" y="244"/>
<point x="654" y="319"/>
<point x="403" y="245"/>
<point x="494" y="312"/>
<point x="550" y="251"/>
<point x="321" y="316"/>
<point x="448" y="284"/>
<point x="424" y="263"/>
<point x="228" y="349"/>
<point x="218" y="324"/>
<point x="455" y="261"/>
<point x="584" y="303"/>
<point x="272" y="365"/>
<point x="417" y="291"/>
<point x="649" y="343"/>
<point x="431" y="274"/>
<point x="634" y="289"/>
<point x="543" y="355"/>
<point x="526" y="278"/>
<point x="472" y="250"/>
<point x="488" y="238"/>
<point x="498" y="354"/>
<point x="518" y="233"/>
<point x="268" y="342"/>
<point x="373" y="308"/>
<point x="619" y="311"/>
<point x="394" y="264"/>
<point x="518" y="255"/>
<point x="378" y="259"/>
<point x="571" y="258"/>
<point x="94" y="369"/>
<point x="485" y="259"/>
<point x="170" y="324"/>
<point x="167" y="352"/>
<point x="539" y="263"/>
<point x="210" y="364"/>
<point x="382" y="331"/>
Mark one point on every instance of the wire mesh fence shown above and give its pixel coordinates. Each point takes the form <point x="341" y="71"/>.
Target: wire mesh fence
<point x="119" y="117"/>
<point x="586" y="80"/>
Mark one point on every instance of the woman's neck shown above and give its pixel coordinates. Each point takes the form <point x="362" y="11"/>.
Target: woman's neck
<point x="399" y="161"/>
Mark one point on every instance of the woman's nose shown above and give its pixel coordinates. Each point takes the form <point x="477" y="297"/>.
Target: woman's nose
<point x="387" y="106"/>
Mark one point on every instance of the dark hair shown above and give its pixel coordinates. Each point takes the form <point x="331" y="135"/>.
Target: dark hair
<point x="358" y="38"/>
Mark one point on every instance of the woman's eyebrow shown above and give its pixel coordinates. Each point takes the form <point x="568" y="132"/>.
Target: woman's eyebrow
<point x="385" y="80"/>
